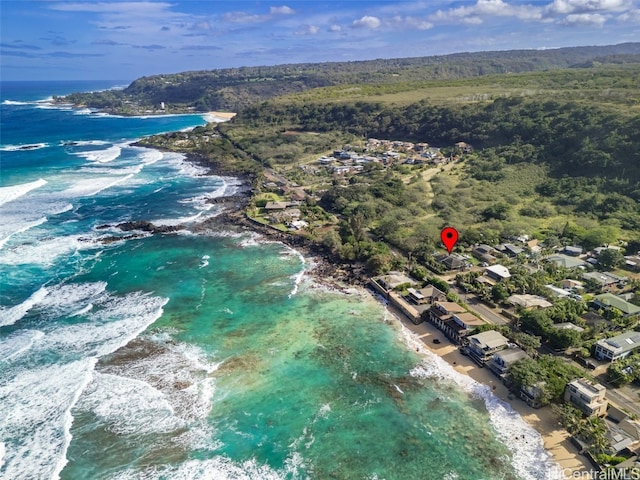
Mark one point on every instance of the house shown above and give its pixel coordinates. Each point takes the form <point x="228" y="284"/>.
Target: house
<point x="565" y="261"/>
<point x="465" y="147"/>
<point x="623" y="432"/>
<point x="533" y="394"/>
<point x="452" y="262"/>
<point x="632" y="262"/>
<point x="502" y="360"/>
<point x="586" y="395"/>
<point x="569" y="326"/>
<point x="557" y="292"/>
<point x="528" y="301"/>
<point x="608" y="300"/>
<point x="509" y="249"/>
<point x="386" y="283"/>
<point x="482" y="346"/>
<point x="485" y="253"/>
<point x="426" y="295"/>
<point x="571" y="284"/>
<point x="460" y="325"/>
<point x="615" y="348"/>
<point x="574" y="251"/>
<point x="441" y="312"/>
<point x="604" y="279"/>
<point x="497" y="272"/>
<point x="276" y="206"/>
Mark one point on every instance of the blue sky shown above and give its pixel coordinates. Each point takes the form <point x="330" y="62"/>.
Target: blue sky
<point x="58" y="40"/>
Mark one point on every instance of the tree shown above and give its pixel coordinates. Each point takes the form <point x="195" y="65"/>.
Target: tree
<point x="529" y="343"/>
<point x="610" y="259"/>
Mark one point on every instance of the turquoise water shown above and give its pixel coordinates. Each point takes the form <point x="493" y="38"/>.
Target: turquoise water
<point x="208" y="355"/>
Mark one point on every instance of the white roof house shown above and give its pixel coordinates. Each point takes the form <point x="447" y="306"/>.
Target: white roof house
<point x="498" y="272"/>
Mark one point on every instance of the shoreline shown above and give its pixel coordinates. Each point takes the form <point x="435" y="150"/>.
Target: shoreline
<point x="341" y="277"/>
<point x="555" y="439"/>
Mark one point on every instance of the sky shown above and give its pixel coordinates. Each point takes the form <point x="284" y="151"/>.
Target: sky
<point x="105" y="40"/>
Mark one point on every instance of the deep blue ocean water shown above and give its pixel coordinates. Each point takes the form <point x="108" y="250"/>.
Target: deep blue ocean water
<point x="202" y="354"/>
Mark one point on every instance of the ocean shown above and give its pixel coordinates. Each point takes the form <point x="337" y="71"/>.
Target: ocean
<point x="202" y="354"/>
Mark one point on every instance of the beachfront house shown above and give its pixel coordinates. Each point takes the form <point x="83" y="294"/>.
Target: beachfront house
<point x="502" y="361"/>
<point x="482" y="346"/>
<point x="533" y="395"/>
<point x="426" y="295"/>
<point x="586" y="395"/>
<point x="460" y="325"/>
<point x="442" y="312"/>
<point x="615" y="348"/>
<point x="386" y="283"/>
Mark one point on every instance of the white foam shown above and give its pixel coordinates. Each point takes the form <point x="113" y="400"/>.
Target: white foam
<point x="84" y="143"/>
<point x="89" y="187"/>
<point x="129" y="406"/>
<point x="82" y="311"/>
<point x="297" y="278"/>
<point x="20" y="228"/>
<point x="529" y="458"/>
<point x="11" y="315"/>
<point x="46" y="251"/>
<point x="218" y="468"/>
<point x="83" y="111"/>
<point x="9" y="194"/>
<point x="15" y="102"/>
<point x="205" y="261"/>
<point x="101" y="156"/>
<point x="18" y="343"/>
<point x="24" y="147"/>
<point x="39" y="399"/>
<point x="36" y="417"/>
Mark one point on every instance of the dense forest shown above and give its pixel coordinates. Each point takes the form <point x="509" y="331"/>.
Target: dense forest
<point x="235" y="88"/>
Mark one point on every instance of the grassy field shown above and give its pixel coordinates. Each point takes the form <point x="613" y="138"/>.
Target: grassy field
<point x="615" y="86"/>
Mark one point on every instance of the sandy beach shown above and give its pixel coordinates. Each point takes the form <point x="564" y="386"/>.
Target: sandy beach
<point x="555" y="438"/>
<point x="223" y="115"/>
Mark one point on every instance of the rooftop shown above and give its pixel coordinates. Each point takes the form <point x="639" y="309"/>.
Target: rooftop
<point x="528" y="301"/>
<point x="499" y="270"/>
<point x="512" y="355"/>
<point x="488" y="340"/>
<point x="610" y="300"/>
<point x="624" y="342"/>
<point x="565" y="260"/>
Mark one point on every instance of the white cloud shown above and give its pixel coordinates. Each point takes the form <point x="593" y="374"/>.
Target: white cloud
<point x="335" y="28"/>
<point x="242" y="17"/>
<point x="631" y="16"/>
<point x="487" y="8"/>
<point x="586" y="6"/>
<point x="308" y="30"/>
<point x="283" y="10"/>
<point x="111" y="7"/>
<point x="410" y="22"/>
<point x="367" y="22"/>
<point x="584" y="19"/>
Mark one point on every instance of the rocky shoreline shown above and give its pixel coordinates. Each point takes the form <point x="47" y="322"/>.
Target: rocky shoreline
<point x="326" y="268"/>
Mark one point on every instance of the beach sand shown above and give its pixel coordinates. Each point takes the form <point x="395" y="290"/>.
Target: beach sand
<point x="224" y="115"/>
<point x="555" y="438"/>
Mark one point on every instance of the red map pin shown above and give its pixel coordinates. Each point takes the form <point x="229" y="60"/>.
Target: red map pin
<point x="449" y="237"/>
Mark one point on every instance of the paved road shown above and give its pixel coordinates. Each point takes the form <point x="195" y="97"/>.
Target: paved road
<point x="620" y="398"/>
<point x="481" y="309"/>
